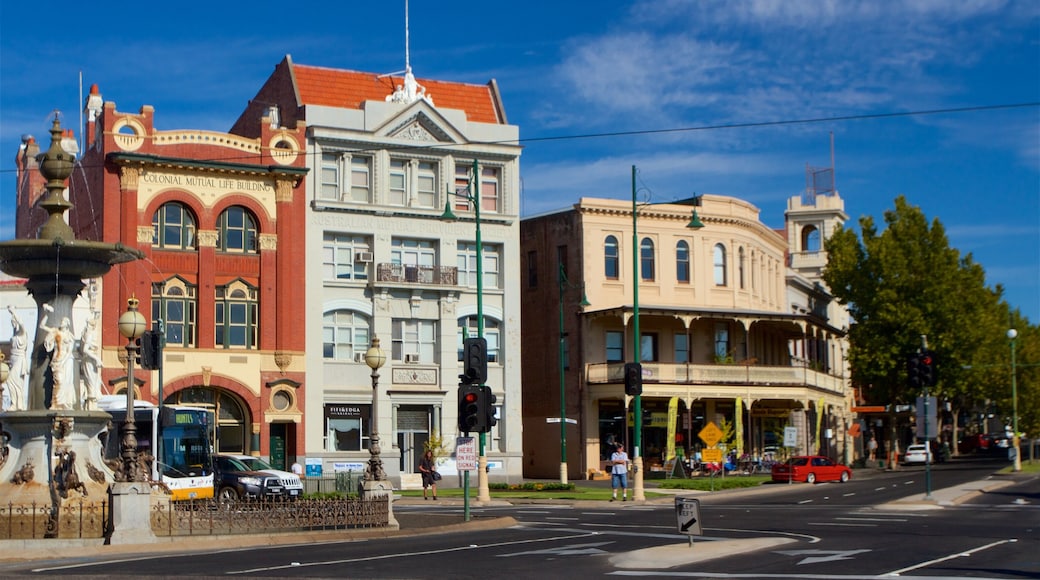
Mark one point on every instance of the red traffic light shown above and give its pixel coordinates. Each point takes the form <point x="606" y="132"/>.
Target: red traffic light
<point x="926" y="360"/>
<point x="469" y="398"/>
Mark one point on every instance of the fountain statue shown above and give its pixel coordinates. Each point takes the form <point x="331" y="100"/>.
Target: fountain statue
<point x="53" y="453"/>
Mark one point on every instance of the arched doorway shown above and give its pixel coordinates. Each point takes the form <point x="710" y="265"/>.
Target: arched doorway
<point x="232" y="429"/>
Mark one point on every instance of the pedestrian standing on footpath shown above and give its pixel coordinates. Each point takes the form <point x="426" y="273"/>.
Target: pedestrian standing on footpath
<point x="619" y="473"/>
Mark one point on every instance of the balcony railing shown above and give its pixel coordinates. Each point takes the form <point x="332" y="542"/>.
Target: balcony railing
<point x="719" y="374"/>
<point x="429" y="275"/>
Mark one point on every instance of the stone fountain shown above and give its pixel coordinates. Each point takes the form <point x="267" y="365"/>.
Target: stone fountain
<point x="54" y="456"/>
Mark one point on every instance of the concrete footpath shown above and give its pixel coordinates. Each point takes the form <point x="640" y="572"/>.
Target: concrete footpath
<point x="435" y="522"/>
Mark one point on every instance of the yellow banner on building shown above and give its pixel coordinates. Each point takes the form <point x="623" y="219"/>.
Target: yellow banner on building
<point x="738" y="422"/>
<point x="819" y="421"/>
<point x="673" y="414"/>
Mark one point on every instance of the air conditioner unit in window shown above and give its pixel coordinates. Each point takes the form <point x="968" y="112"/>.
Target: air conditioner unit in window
<point x="411" y="358"/>
<point x="359" y="357"/>
<point x="363" y="257"/>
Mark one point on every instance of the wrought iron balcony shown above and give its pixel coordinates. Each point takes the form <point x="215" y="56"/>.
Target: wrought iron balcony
<point x="720" y="374"/>
<point x="425" y="275"/>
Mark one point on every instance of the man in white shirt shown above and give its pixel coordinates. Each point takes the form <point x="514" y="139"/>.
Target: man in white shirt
<point x="619" y="473"/>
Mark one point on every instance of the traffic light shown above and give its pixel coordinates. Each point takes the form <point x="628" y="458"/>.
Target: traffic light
<point x="633" y="379"/>
<point x="472" y="415"/>
<point x="914" y="371"/>
<point x="927" y="363"/>
<point x="489" y="408"/>
<point x="474" y="361"/>
<point x="151" y="350"/>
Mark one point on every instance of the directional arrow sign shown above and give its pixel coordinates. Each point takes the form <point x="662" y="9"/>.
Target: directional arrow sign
<point x="688" y="516"/>
<point x="817" y="556"/>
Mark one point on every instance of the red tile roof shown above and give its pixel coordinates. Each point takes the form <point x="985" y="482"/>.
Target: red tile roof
<point x="346" y="88"/>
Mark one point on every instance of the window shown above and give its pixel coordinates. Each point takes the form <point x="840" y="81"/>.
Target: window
<point x="398" y="182"/>
<point x="810" y="239"/>
<point x="682" y="348"/>
<point x="413" y="183"/>
<point x="329" y="176"/>
<point x="345" y="257"/>
<point x="740" y="266"/>
<point x="489" y="187"/>
<point x="173" y="227"/>
<point x="492" y="334"/>
<point x="347" y="427"/>
<point x="408" y="252"/>
<point x="467" y="263"/>
<point x="720" y="265"/>
<point x="236" y="231"/>
<point x="615" y="346"/>
<point x="344" y="334"/>
<point x="647" y="347"/>
<point x="236" y="315"/>
<point x="682" y="262"/>
<point x="532" y="269"/>
<point x="721" y="341"/>
<point x="174" y="302"/>
<point x="360" y="179"/>
<point x="610" y="258"/>
<point x="646" y="259"/>
<point x="414" y="340"/>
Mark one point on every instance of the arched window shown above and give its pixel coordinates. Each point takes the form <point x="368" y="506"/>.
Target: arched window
<point x="810" y="239"/>
<point x="236" y="315"/>
<point x="492" y="334"/>
<point x="720" y="265"/>
<point x="610" y="258"/>
<point x="175" y="302"/>
<point x="646" y="259"/>
<point x="740" y="266"/>
<point x="345" y="335"/>
<point x="173" y="227"/>
<point x="682" y="262"/>
<point x="236" y="231"/>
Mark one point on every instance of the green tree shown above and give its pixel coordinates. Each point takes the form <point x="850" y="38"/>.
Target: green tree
<point x="906" y="282"/>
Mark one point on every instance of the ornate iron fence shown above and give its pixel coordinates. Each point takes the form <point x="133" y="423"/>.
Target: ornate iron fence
<point x="216" y="517"/>
<point x="73" y="519"/>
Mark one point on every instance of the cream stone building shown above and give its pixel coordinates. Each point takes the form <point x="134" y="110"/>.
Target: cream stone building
<point x="387" y="156"/>
<point x="736" y="329"/>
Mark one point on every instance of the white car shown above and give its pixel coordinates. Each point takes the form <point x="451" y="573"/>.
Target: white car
<point x="291" y="481"/>
<point x="918" y="453"/>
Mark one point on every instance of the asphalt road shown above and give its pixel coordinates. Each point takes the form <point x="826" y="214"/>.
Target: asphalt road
<point x="873" y="527"/>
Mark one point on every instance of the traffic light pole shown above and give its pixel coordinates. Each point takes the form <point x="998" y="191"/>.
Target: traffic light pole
<point x="637" y="458"/>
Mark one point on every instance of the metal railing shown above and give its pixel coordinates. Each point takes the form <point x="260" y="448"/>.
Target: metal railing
<point x="430" y="275"/>
<point x="222" y="517"/>
<point x="74" y="519"/>
<point x="346" y="483"/>
<point x="719" y="374"/>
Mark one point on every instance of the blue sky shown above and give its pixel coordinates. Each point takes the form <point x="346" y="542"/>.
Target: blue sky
<point x="584" y="68"/>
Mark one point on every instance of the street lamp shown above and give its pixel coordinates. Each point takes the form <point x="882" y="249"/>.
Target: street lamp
<point x="131" y="326"/>
<point x="375" y="358"/>
<point x="1012" y="334"/>
<point x="564" y="284"/>
<point x="637" y="456"/>
<point x="472" y="195"/>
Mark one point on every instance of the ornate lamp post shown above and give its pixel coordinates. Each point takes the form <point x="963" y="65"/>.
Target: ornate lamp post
<point x="564" y="284"/>
<point x="375" y="358"/>
<point x="638" y="492"/>
<point x="1012" y="334"/>
<point x="131" y="326"/>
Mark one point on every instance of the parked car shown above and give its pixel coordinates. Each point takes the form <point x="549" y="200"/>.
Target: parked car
<point x="233" y="480"/>
<point x="811" y="469"/>
<point x="918" y="453"/>
<point x="290" y="481"/>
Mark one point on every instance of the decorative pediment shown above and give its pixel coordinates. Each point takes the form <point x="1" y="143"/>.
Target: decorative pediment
<point x="420" y="127"/>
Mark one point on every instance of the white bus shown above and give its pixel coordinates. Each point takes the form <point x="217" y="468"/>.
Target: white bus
<point x="184" y="455"/>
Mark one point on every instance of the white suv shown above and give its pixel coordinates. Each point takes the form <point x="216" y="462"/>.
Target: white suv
<point x="291" y="482"/>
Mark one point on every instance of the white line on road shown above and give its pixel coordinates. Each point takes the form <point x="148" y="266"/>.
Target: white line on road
<point x="875" y="519"/>
<point x="843" y="525"/>
<point x="964" y="554"/>
<point x="805" y="501"/>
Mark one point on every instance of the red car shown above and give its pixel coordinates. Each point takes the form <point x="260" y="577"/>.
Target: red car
<point x="811" y="469"/>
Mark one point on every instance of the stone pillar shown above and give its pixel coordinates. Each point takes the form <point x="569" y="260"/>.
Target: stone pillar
<point x="131" y="513"/>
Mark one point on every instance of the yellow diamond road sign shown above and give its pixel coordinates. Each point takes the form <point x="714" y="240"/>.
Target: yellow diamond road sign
<point x="710" y="434"/>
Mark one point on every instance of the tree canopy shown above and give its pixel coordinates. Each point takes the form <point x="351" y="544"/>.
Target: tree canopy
<point x="905" y="283"/>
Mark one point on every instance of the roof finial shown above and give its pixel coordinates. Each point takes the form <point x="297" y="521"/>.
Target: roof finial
<point x="411" y="91"/>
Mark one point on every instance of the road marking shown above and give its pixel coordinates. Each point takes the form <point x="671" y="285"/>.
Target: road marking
<point x="805" y="501"/>
<point x="572" y="550"/>
<point x="875" y="519"/>
<point x="843" y="525"/>
<point x="561" y="518"/>
<point x="950" y="557"/>
<point x="817" y="556"/>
